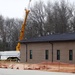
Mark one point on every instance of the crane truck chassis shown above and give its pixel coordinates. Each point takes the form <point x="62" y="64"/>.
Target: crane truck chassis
<point x="10" y="55"/>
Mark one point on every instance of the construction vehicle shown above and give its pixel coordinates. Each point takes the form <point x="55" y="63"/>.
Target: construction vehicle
<point x="23" y="28"/>
<point x="15" y="55"/>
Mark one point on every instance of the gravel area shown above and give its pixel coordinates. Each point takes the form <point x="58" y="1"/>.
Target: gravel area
<point x="29" y="72"/>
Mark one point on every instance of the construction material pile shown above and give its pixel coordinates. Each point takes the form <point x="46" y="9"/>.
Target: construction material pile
<point x="45" y="66"/>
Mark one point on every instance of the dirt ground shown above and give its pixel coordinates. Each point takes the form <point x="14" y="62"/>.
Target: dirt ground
<point x="44" y="66"/>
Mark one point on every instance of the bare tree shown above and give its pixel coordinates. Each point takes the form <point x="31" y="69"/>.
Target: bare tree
<point x="12" y="32"/>
<point x="36" y="20"/>
<point x="58" y="16"/>
<point x="49" y="26"/>
<point x="2" y="34"/>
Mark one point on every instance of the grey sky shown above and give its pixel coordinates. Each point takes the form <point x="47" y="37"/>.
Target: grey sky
<point x="15" y="8"/>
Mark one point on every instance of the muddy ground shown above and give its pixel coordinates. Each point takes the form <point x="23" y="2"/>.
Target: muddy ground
<point x="44" y="66"/>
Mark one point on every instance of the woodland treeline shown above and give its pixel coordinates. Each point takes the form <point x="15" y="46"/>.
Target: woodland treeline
<point x="43" y="19"/>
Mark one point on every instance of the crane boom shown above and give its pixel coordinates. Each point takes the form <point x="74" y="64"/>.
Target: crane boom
<point x="22" y="30"/>
<point x="23" y="27"/>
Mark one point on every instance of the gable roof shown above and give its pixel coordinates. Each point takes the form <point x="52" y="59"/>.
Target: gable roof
<point x="52" y="38"/>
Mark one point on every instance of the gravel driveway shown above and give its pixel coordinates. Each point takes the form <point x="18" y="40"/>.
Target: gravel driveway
<point x="29" y="72"/>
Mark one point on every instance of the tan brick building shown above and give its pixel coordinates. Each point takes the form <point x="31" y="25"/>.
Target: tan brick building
<point x="53" y="48"/>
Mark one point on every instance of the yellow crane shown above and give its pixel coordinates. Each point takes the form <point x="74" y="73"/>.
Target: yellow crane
<point x="23" y="28"/>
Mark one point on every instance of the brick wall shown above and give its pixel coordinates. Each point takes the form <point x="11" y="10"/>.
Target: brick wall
<point x="38" y="52"/>
<point x="64" y="48"/>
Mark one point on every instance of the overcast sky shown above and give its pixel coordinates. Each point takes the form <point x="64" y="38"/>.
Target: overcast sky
<point x="15" y="8"/>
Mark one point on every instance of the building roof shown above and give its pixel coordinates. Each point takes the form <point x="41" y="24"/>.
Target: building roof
<point x="52" y="38"/>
